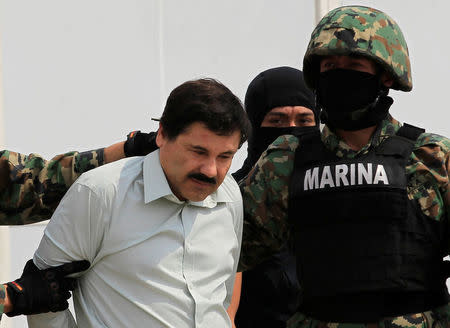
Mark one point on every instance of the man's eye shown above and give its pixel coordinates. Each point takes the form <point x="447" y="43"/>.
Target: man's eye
<point x="276" y="121"/>
<point x="304" y="122"/>
<point x="328" y="65"/>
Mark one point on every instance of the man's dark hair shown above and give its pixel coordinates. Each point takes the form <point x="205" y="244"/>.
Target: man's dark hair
<point x="207" y="101"/>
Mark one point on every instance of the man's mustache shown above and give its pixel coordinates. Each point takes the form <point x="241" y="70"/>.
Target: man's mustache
<point x="202" y="177"/>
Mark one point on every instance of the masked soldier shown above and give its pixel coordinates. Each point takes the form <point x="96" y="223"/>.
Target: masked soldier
<point x="277" y="102"/>
<point x="365" y="203"/>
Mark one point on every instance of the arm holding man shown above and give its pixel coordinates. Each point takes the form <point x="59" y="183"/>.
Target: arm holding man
<point x="30" y="189"/>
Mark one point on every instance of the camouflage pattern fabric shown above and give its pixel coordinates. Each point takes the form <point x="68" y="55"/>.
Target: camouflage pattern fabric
<point x="2" y="299"/>
<point x="438" y="318"/>
<point x="265" y="195"/>
<point x="31" y="187"/>
<point x="357" y="30"/>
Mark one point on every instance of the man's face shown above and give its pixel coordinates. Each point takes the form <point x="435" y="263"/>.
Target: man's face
<point x="356" y="63"/>
<point x="361" y="64"/>
<point x="196" y="161"/>
<point x="289" y="116"/>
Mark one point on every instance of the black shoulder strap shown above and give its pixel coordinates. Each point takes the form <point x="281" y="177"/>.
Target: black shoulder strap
<point x="410" y="132"/>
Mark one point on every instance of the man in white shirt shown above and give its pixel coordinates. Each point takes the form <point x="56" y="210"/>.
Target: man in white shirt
<point x="162" y="232"/>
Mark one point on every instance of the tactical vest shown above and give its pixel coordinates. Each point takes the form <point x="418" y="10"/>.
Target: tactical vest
<point x="364" y="250"/>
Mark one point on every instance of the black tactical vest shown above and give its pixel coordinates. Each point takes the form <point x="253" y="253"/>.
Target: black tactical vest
<point x="364" y="250"/>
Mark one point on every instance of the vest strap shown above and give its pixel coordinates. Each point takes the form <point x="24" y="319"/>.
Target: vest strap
<point x="410" y="132"/>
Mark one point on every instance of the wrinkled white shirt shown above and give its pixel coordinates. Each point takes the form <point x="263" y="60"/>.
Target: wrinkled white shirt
<point x="156" y="261"/>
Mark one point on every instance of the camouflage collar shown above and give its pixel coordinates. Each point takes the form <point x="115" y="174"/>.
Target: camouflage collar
<point x="387" y="127"/>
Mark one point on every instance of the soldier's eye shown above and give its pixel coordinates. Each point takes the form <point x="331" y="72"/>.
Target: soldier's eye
<point x="327" y="65"/>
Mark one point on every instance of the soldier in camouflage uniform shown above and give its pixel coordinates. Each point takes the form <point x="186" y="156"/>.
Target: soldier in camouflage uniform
<point x="30" y="190"/>
<point x="365" y="203"/>
<point x="277" y="102"/>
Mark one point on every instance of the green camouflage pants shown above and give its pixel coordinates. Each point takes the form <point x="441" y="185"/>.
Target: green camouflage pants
<point x="437" y="318"/>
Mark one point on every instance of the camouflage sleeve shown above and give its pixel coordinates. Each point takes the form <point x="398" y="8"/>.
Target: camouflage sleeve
<point x="31" y="187"/>
<point x="2" y="298"/>
<point x="265" y="197"/>
<point x="429" y="168"/>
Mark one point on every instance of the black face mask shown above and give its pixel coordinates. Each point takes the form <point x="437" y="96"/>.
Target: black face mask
<point x="352" y="100"/>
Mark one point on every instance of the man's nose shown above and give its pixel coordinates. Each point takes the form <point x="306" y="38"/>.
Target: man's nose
<point x="209" y="168"/>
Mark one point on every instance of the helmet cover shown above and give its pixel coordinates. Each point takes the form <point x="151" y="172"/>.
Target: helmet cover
<point x="360" y="31"/>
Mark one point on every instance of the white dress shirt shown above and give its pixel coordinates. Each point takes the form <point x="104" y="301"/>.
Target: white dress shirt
<point x="156" y="261"/>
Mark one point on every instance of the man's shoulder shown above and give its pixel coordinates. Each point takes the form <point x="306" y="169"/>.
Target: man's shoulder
<point x="233" y="197"/>
<point x="278" y="157"/>
<point x="230" y="188"/>
<point x="287" y="142"/>
<point x="279" y="150"/>
<point x="111" y="174"/>
<point x="432" y="139"/>
<point x="274" y="166"/>
<point x="18" y="159"/>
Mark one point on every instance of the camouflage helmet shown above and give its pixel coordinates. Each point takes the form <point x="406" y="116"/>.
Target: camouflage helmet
<point x="363" y="31"/>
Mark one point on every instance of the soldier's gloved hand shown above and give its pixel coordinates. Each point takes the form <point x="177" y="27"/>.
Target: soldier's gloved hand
<point x="39" y="291"/>
<point x="139" y="143"/>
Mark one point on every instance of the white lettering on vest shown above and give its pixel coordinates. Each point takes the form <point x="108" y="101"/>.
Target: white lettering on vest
<point x="311" y="179"/>
<point x="341" y="172"/>
<point x="380" y="175"/>
<point x="352" y="174"/>
<point x="363" y="173"/>
<point x="344" y="175"/>
<point x="327" y="178"/>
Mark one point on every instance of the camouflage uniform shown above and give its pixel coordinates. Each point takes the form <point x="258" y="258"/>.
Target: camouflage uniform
<point x="2" y="299"/>
<point x="265" y="195"/>
<point x="31" y="187"/>
<point x="371" y="34"/>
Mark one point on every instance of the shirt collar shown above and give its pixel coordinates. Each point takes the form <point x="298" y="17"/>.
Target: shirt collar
<point x="155" y="182"/>
<point x="156" y="186"/>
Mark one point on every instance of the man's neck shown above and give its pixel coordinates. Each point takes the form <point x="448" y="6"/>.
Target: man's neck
<point x="356" y="139"/>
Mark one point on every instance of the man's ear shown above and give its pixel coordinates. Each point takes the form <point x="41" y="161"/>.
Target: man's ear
<point x="160" y="139"/>
<point x="387" y="79"/>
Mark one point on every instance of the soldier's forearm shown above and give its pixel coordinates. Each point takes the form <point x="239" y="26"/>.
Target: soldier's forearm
<point x="114" y="152"/>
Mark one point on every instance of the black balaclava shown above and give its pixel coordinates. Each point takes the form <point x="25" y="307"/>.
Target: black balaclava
<point x="275" y="87"/>
<point x="352" y="100"/>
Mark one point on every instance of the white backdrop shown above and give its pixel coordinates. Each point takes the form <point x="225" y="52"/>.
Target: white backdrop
<point x="81" y="74"/>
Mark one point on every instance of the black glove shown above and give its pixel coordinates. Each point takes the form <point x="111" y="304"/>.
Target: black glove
<point x="39" y="291"/>
<point x="139" y="143"/>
